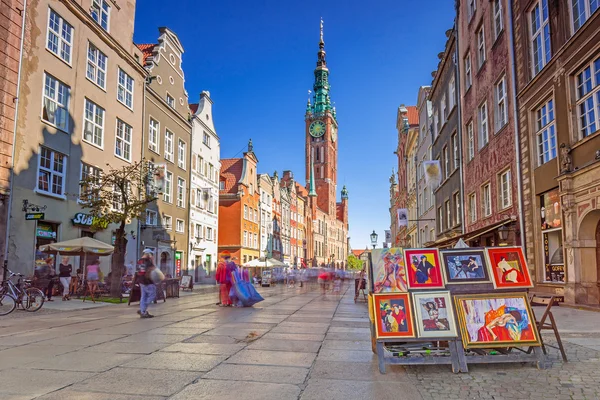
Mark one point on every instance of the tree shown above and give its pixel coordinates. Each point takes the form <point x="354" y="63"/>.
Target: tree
<point x="354" y="262"/>
<point x="118" y="196"/>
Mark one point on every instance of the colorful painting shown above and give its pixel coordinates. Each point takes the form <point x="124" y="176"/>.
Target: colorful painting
<point x="393" y="315"/>
<point x="465" y="266"/>
<point x="423" y="269"/>
<point x="434" y="316"/>
<point x="496" y="320"/>
<point x="508" y="268"/>
<point x="389" y="271"/>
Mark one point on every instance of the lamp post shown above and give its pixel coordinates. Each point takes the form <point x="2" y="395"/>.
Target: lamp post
<point x="503" y="235"/>
<point x="374" y="239"/>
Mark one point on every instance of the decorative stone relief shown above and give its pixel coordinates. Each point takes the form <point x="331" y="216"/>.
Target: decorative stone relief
<point x="566" y="162"/>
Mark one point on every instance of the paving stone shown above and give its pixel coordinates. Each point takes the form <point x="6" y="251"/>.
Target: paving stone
<point x="347" y="355"/>
<point x="123" y="381"/>
<point x="292" y="336"/>
<point x="319" y="389"/>
<point x="212" y="339"/>
<point x="347" y="345"/>
<point x="230" y="390"/>
<point x="302" y="346"/>
<point x="34" y="383"/>
<point x="177" y="361"/>
<point x="149" y="337"/>
<point x="362" y="371"/>
<point x="82" y="361"/>
<point x="204" y="348"/>
<point x="69" y="394"/>
<point x="265" y="357"/>
<point x="126" y="347"/>
<point x="83" y="339"/>
<point x="258" y="373"/>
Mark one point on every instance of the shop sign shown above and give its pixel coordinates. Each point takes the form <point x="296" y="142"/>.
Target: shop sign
<point x="82" y="219"/>
<point x="45" y="231"/>
<point x="177" y="263"/>
<point x="34" y="216"/>
<point x="554" y="272"/>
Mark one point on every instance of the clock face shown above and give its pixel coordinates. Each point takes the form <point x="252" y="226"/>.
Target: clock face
<point x="333" y="133"/>
<point x="317" y="129"/>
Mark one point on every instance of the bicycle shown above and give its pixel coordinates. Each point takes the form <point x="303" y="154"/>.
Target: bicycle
<point x="29" y="298"/>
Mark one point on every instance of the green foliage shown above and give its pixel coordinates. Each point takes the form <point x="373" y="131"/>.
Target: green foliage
<point x="354" y="262"/>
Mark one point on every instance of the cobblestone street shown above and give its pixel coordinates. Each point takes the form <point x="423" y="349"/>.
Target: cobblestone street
<point x="294" y="345"/>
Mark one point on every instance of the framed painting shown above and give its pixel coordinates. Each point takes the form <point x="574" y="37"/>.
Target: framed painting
<point x="508" y="268"/>
<point x="434" y="315"/>
<point x="465" y="266"/>
<point x="393" y="316"/>
<point x="496" y="320"/>
<point x="389" y="271"/>
<point x="423" y="269"/>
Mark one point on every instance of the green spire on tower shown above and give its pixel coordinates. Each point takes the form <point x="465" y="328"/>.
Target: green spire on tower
<point x="321" y="100"/>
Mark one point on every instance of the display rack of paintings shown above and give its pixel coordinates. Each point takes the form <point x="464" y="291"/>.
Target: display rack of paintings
<point x="474" y="313"/>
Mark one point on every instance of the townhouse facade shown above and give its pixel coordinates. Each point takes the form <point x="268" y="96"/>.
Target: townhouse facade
<point x="557" y="52"/>
<point x="13" y="23"/>
<point x="265" y="185"/>
<point x="412" y="146"/>
<point x="490" y="171"/>
<point x="425" y="211"/>
<point x="204" y="191"/>
<point x="167" y="147"/>
<point x="447" y="146"/>
<point x="79" y="114"/>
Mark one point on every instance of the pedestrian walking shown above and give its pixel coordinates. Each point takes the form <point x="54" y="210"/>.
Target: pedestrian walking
<point x="146" y="269"/>
<point x="223" y="280"/>
<point x="93" y="275"/>
<point x="44" y="277"/>
<point x="64" y="274"/>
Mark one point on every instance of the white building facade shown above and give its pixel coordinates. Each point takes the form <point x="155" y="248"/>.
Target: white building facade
<point x="266" y="213"/>
<point x="204" y="192"/>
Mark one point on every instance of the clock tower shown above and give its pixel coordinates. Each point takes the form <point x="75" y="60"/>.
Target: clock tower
<point x="321" y="137"/>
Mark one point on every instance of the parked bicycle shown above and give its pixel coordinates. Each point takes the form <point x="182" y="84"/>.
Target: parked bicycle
<point x="20" y="294"/>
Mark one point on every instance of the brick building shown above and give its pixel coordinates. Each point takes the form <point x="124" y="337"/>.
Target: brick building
<point x="12" y="23"/>
<point x="557" y="47"/>
<point x="490" y="168"/>
<point x="239" y="198"/>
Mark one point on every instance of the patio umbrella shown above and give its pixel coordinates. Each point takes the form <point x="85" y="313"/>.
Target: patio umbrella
<point x="78" y="247"/>
<point x="268" y="263"/>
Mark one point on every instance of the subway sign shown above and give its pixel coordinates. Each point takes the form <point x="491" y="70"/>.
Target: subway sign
<point x="82" y="219"/>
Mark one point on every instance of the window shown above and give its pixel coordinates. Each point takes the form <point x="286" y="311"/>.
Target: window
<point x="498" y="23"/>
<point x="588" y="99"/>
<point x="455" y="159"/>
<point x="123" y="140"/>
<point x="540" y="36"/>
<point x="451" y="94"/>
<point x="483" y="126"/>
<point x="170" y="101"/>
<point x="193" y="197"/>
<point x="581" y="10"/>
<point x="209" y="233"/>
<point x="501" y="107"/>
<point x="180" y="192"/>
<point x="505" y="190"/>
<point x="179" y="225"/>
<point x="245" y="211"/>
<point x="181" y="154"/>
<point x="93" y="128"/>
<point x="443" y="106"/>
<point x="153" y="135"/>
<point x="117" y="195"/>
<point x="56" y="103"/>
<point x="255" y="215"/>
<point x="480" y="47"/>
<point x="96" y="66"/>
<point x="206" y="139"/>
<point x="435" y="124"/>
<point x="486" y="203"/>
<point x="245" y="243"/>
<point x="222" y="185"/>
<point x="440" y="220"/>
<point x="456" y="208"/>
<point x="472" y="207"/>
<point x="167" y="222"/>
<point x="470" y="141"/>
<point x="250" y="214"/>
<point x="101" y="12"/>
<point x="125" y="89"/>
<point x="151" y="218"/>
<point x="546" y="132"/>
<point x="168" y="187"/>
<point x="168" y="145"/>
<point x="212" y="174"/>
<point x="199" y="231"/>
<point x="446" y="162"/>
<point x="468" y="72"/>
<point x="91" y="175"/>
<point x="448" y="215"/>
<point x="60" y="36"/>
<point x="471" y="8"/>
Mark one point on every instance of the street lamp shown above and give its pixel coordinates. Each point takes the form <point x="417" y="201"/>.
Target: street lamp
<point x="374" y="239"/>
<point x="503" y="234"/>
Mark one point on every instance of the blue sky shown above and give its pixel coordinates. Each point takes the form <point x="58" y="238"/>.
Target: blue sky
<point x="257" y="60"/>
